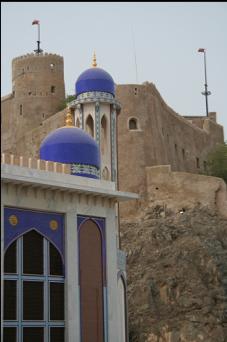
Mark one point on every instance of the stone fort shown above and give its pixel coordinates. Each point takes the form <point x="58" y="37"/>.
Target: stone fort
<point x="176" y="283"/>
<point x="149" y="132"/>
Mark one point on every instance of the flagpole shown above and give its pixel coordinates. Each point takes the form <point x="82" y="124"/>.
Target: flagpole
<point x="38" y="41"/>
<point x="36" y="22"/>
<point x="206" y="86"/>
<point x="38" y="37"/>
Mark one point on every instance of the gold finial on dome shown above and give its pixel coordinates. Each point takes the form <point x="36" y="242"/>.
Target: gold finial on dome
<point x="69" y="119"/>
<point x="94" y="64"/>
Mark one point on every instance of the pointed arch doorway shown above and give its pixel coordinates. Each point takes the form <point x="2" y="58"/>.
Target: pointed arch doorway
<point x="91" y="282"/>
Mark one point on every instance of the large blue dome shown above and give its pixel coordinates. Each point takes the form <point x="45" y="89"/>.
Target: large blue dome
<point x="95" y="79"/>
<point x="72" y="145"/>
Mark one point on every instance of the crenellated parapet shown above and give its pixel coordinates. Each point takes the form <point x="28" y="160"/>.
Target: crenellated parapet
<point x="34" y="163"/>
<point x="35" y="55"/>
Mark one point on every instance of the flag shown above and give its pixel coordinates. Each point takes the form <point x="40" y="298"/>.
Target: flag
<point x="35" y="22"/>
<point x="201" y="50"/>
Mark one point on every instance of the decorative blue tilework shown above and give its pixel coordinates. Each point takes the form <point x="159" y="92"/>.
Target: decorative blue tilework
<point x="19" y="221"/>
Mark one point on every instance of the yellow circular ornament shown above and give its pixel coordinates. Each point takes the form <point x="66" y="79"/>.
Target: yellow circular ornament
<point x="53" y="225"/>
<point x="13" y="220"/>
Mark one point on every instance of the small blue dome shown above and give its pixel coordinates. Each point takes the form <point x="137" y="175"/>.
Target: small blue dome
<point x="95" y="79"/>
<point x="72" y="145"/>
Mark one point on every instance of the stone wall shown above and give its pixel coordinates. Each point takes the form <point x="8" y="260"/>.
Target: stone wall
<point x="29" y="144"/>
<point x="178" y="191"/>
<point x="162" y="137"/>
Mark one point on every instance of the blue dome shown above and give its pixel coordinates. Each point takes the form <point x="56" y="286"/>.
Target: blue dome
<point x="95" y="79"/>
<point x="72" y="145"/>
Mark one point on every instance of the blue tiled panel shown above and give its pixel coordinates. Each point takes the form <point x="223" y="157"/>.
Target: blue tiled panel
<point x="19" y="221"/>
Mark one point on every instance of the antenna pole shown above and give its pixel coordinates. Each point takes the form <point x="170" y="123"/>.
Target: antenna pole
<point x="206" y="92"/>
<point x="134" y="50"/>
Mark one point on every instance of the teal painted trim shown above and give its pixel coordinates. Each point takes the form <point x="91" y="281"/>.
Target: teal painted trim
<point x="97" y="122"/>
<point x="81" y="110"/>
<point x="113" y="145"/>
<point x="106" y="331"/>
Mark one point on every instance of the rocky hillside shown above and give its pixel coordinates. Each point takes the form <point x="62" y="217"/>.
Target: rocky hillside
<point x="177" y="276"/>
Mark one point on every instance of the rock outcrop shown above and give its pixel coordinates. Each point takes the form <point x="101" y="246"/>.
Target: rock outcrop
<point x="177" y="275"/>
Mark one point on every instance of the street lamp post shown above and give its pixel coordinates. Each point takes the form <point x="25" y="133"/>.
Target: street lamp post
<point x="206" y="92"/>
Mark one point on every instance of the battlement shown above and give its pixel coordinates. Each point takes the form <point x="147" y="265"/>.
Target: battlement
<point x="34" y="163"/>
<point x="29" y="55"/>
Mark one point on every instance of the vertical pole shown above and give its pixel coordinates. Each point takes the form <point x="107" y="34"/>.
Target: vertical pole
<point x="38" y="50"/>
<point x="206" y="91"/>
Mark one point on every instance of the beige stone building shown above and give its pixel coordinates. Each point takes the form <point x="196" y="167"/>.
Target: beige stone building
<point x="149" y="132"/>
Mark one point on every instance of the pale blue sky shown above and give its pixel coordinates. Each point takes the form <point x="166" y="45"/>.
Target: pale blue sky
<point x="166" y="36"/>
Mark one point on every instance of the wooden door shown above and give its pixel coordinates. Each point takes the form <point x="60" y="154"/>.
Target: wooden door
<point x="91" y="283"/>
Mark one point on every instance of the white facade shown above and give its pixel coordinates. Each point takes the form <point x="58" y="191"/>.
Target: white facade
<point x="72" y="195"/>
<point x="96" y="113"/>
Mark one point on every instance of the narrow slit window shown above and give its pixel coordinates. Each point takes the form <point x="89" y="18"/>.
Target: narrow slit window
<point x="197" y="163"/>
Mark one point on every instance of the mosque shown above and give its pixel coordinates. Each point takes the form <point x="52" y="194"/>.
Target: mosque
<point x="66" y="185"/>
<point x="64" y="275"/>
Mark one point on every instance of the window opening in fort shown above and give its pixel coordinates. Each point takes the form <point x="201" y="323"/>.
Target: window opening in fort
<point x="52" y="89"/>
<point x="51" y="66"/>
<point x="33" y="290"/>
<point x="90" y="125"/>
<point x="29" y="93"/>
<point x="78" y="123"/>
<point x="205" y="165"/>
<point x="175" y="148"/>
<point x="21" y="109"/>
<point x="135" y="91"/>
<point x="183" y="153"/>
<point x="197" y="163"/>
<point x="133" y="124"/>
<point x="103" y="134"/>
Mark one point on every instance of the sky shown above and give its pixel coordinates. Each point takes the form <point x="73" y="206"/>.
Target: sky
<point x="134" y="41"/>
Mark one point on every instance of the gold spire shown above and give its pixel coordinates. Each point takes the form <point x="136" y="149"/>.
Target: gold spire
<point x="69" y="119"/>
<point x="94" y="64"/>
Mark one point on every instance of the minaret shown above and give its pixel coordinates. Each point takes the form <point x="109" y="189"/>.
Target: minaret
<point x="95" y="111"/>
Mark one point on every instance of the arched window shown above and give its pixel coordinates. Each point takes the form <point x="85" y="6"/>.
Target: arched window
<point x="105" y="174"/>
<point x="33" y="290"/>
<point x="133" y="124"/>
<point x="52" y="89"/>
<point x="103" y="134"/>
<point x="90" y="125"/>
<point x="78" y="123"/>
